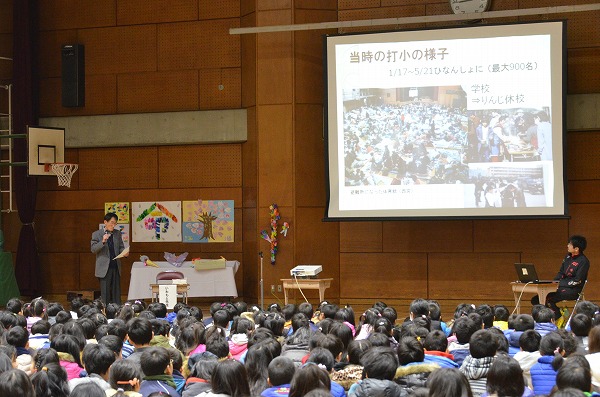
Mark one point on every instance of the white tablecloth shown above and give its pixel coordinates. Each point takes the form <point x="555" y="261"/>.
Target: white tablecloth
<point x="203" y="283"/>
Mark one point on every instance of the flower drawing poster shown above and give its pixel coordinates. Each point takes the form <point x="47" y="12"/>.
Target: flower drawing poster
<point x="208" y="221"/>
<point x="156" y="221"/>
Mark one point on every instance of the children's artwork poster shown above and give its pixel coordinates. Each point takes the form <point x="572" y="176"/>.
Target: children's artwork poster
<point x="208" y="221"/>
<point x="155" y="221"/>
<point x="125" y="232"/>
<point x="121" y="209"/>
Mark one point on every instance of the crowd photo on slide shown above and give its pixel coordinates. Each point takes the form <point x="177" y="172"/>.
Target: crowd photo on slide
<point x="426" y="135"/>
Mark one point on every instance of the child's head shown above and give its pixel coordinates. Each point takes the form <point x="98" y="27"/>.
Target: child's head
<point x="419" y="307"/>
<point x="575" y="374"/>
<point x="483" y="344"/>
<point x="448" y="382"/>
<point x="501" y="313"/>
<point x="581" y="324"/>
<point x="410" y="350"/>
<point x="288" y="311"/>
<point x="15" y="382"/>
<point x="159" y="309"/>
<point x="356" y="349"/>
<point x="435" y="312"/>
<point x="586" y="307"/>
<point x="544" y="315"/>
<point x="38" y="308"/>
<point x="551" y="344"/>
<point x="139" y="331"/>
<point x="216" y="341"/>
<point x="113" y="343"/>
<point x="333" y="344"/>
<point x="436" y="341"/>
<point x="342" y="331"/>
<point x="307" y="378"/>
<point x="202" y="365"/>
<point x="487" y="315"/>
<point x="43" y="357"/>
<point x="221" y="318"/>
<point x="65" y="343"/>
<point x="97" y="358"/>
<point x="281" y="371"/>
<point x="17" y="337"/>
<point x="156" y="361"/>
<point x="306" y="308"/>
<point x="14" y="305"/>
<point x="380" y="363"/>
<point x="505" y="377"/>
<point x="463" y="328"/>
<point x="125" y="375"/>
<point x="523" y="322"/>
<point x="230" y="377"/>
<point x="320" y="355"/>
<point x="160" y="326"/>
<point x="529" y="341"/>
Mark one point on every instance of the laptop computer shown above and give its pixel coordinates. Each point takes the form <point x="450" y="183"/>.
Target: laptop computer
<point x="527" y="274"/>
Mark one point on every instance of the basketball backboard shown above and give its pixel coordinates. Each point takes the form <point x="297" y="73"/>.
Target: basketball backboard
<point x="46" y="145"/>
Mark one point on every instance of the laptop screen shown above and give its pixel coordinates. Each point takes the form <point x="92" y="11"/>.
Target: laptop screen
<point x="526" y="272"/>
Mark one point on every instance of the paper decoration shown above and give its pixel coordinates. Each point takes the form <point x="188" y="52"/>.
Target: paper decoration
<point x="208" y="221"/>
<point x="125" y="232"/>
<point x="147" y="261"/>
<point x="176" y="260"/>
<point x="272" y="237"/>
<point x="167" y="294"/>
<point x="156" y="221"/>
<point x="121" y="209"/>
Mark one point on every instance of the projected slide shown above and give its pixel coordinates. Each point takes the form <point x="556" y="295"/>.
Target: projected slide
<point x="446" y="123"/>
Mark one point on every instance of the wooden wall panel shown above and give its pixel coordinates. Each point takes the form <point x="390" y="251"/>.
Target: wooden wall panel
<point x="120" y="49"/>
<point x="476" y="276"/>
<point x="250" y="160"/>
<point x="583" y="155"/>
<point x="582" y="66"/>
<point x="200" y="166"/>
<point x="158" y="91"/>
<point x="59" y="272"/>
<point x="118" y="168"/>
<point x="100" y="97"/>
<point x="308" y="66"/>
<point x="361" y="237"/>
<point x="6" y="16"/>
<point x="216" y="9"/>
<point x="266" y="5"/>
<point x="316" y="243"/>
<point x="382" y="12"/>
<point x="584" y="191"/>
<point x="250" y="254"/>
<point x="248" y="54"/>
<point x="65" y="231"/>
<point x="354" y="4"/>
<point x="275" y="161"/>
<point x="274" y="79"/>
<point x="220" y="88"/>
<point x="198" y="45"/>
<point x="129" y="12"/>
<point x="519" y="235"/>
<point x="6" y="51"/>
<point x="309" y="148"/>
<point x="330" y="5"/>
<point x="435" y="236"/>
<point x="383" y="276"/>
<point x="69" y="14"/>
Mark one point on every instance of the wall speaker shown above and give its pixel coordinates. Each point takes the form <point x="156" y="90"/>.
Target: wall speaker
<point x="73" y="75"/>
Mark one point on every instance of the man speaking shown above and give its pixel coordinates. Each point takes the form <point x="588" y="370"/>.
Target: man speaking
<point x="107" y="243"/>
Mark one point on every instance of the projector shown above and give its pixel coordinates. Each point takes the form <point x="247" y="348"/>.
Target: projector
<point x="306" y="270"/>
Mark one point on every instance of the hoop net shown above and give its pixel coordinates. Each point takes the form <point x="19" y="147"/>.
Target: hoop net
<point x="64" y="172"/>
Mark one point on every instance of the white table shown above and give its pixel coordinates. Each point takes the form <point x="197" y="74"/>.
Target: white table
<point x="203" y="283"/>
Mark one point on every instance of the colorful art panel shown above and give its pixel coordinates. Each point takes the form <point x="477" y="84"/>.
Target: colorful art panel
<point x="121" y="209"/>
<point x="155" y="221"/>
<point x="125" y="232"/>
<point x="208" y="221"/>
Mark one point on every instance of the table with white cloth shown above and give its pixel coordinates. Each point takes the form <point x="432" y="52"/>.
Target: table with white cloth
<point x="203" y="283"/>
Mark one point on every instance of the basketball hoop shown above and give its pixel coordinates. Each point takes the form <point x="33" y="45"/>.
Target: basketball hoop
<point x="64" y="172"/>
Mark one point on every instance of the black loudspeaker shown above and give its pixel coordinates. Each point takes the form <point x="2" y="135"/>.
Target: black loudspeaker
<point x="73" y="75"/>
